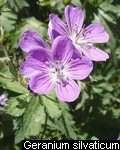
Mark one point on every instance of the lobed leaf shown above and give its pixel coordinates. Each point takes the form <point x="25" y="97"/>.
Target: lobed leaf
<point x="11" y="85"/>
<point x="31" y="121"/>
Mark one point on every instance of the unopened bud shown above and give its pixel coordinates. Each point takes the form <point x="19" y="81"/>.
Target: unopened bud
<point x="66" y="2"/>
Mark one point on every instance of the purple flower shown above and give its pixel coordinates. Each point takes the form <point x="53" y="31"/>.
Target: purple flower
<point x="118" y="138"/>
<point x="56" y="69"/>
<point x="82" y="37"/>
<point x="3" y="100"/>
<point x="31" y="40"/>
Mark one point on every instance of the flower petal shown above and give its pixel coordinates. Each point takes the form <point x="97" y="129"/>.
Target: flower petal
<point x="118" y="138"/>
<point x="3" y="97"/>
<point x="94" y="53"/>
<point x="80" y="68"/>
<point x="51" y="32"/>
<point x="31" y="40"/>
<point x="68" y="93"/>
<point x="27" y="71"/>
<point x="39" y="59"/>
<point x="41" y="84"/>
<point x="62" y="49"/>
<point x="95" y="33"/>
<point x="74" y="17"/>
<point x="57" y="24"/>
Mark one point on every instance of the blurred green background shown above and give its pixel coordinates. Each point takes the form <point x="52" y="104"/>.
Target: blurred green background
<point x="95" y="115"/>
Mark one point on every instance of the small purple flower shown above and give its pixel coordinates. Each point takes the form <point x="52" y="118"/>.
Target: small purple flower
<point x="57" y="69"/>
<point x="82" y="37"/>
<point x="3" y="100"/>
<point x="118" y="138"/>
<point x="31" y="40"/>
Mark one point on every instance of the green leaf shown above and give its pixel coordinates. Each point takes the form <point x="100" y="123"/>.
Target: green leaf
<point x="44" y="2"/>
<point x="30" y="123"/>
<point x="8" y="19"/>
<point x="34" y="24"/>
<point x="12" y="85"/>
<point x="108" y="17"/>
<point x="81" y="103"/>
<point x="116" y="112"/>
<point x="17" y="105"/>
<point x="94" y="138"/>
<point x="2" y="3"/>
<point x="17" y="4"/>
<point x="66" y="2"/>
<point x="13" y="69"/>
<point x="106" y="6"/>
<point x="76" y="3"/>
<point x="51" y="104"/>
<point x="66" y="123"/>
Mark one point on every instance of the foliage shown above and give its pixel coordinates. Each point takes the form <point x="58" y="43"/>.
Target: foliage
<point x="95" y="115"/>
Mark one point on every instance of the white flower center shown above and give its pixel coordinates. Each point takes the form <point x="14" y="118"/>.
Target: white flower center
<point x="77" y="37"/>
<point x="58" y="71"/>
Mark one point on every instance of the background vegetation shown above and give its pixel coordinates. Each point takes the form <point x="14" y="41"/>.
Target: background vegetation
<point x="95" y="115"/>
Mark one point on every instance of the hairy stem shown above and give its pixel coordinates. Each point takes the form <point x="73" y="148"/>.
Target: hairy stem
<point x="84" y="4"/>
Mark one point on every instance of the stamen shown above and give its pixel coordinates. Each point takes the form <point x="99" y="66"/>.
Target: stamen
<point x="58" y="70"/>
<point x="80" y="33"/>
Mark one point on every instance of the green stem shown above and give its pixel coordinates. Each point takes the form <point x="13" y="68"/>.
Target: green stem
<point x="5" y="51"/>
<point x="84" y="4"/>
<point x="65" y="126"/>
<point x="11" y="66"/>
